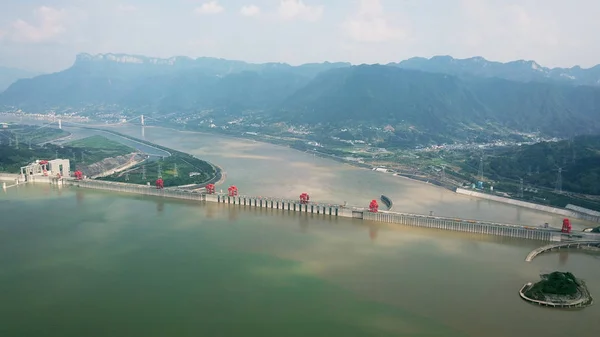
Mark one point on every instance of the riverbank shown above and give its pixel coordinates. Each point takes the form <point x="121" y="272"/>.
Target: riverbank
<point x="555" y="210"/>
<point x="188" y="167"/>
<point x="422" y="178"/>
<point x="557" y="290"/>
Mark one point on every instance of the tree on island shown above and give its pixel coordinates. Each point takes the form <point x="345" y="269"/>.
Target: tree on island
<point x="556" y="283"/>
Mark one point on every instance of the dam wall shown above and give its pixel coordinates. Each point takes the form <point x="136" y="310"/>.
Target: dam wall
<point x="468" y="226"/>
<point x="331" y="210"/>
<point x="555" y="210"/>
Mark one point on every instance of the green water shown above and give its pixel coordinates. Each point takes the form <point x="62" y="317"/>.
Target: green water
<point x="78" y="262"/>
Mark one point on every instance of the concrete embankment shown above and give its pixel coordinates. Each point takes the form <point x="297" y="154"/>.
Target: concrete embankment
<point x="462" y="225"/>
<point x="543" y="208"/>
<point x="583" y="300"/>
<point x="9" y="177"/>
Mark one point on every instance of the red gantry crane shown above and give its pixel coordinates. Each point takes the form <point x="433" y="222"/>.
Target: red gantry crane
<point x="210" y="188"/>
<point x="233" y="191"/>
<point x="44" y="164"/>
<point x="373" y="206"/>
<point x="160" y="184"/>
<point x="78" y="175"/>
<point x="304" y="198"/>
<point x="566" y="227"/>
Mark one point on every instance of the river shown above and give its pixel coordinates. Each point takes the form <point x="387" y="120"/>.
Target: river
<point x="77" y="262"/>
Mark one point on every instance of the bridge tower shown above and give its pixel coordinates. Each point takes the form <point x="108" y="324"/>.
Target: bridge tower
<point x="60" y="124"/>
<point x="142" y="120"/>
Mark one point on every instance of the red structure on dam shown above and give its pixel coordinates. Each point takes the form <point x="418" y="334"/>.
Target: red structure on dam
<point x="566" y="227"/>
<point x="160" y="184"/>
<point x="373" y="206"/>
<point x="210" y="188"/>
<point x="232" y="191"/>
<point x="304" y="198"/>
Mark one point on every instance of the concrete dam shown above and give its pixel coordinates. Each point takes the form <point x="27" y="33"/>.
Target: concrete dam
<point x="336" y="210"/>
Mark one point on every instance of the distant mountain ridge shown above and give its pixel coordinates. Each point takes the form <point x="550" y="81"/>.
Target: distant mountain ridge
<point x="434" y="100"/>
<point x="521" y="70"/>
<point x="10" y="75"/>
<point x="205" y="65"/>
<point x="437" y="103"/>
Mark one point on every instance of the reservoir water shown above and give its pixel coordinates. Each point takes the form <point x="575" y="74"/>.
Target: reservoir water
<point x="76" y="262"/>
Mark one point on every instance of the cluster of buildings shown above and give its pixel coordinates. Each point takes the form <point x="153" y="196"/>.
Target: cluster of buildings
<point x="41" y="170"/>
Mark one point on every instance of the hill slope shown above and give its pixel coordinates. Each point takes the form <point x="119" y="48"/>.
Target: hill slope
<point x="423" y="107"/>
<point x="10" y="75"/>
<point x="538" y="164"/>
<point x="176" y="83"/>
<point x="442" y="103"/>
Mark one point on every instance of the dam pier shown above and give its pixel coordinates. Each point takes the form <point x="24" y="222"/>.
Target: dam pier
<point x="371" y="213"/>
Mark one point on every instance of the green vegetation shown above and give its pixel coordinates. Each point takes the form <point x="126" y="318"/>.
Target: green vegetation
<point x="538" y="164"/>
<point x="427" y="107"/>
<point x="19" y="146"/>
<point x="14" y="155"/>
<point x="556" y="283"/>
<point x="422" y="107"/>
<point x="96" y="148"/>
<point x="25" y="135"/>
<point x="176" y="170"/>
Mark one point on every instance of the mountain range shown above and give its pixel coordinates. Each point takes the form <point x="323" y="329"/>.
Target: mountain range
<point x="521" y="71"/>
<point x="433" y="96"/>
<point x="10" y="75"/>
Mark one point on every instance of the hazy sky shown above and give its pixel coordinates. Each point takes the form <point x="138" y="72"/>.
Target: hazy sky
<point x="47" y="34"/>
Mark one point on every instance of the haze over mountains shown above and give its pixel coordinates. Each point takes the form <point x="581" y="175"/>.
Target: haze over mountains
<point x="432" y="96"/>
<point x="10" y="75"/>
<point x="522" y="71"/>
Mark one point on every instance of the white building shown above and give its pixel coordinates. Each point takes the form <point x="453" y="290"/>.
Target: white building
<point x="46" y="168"/>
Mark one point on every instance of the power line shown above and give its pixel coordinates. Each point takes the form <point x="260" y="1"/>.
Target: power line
<point x="520" y="187"/>
<point x="480" y="173"/>
<point x="558" y="187"/>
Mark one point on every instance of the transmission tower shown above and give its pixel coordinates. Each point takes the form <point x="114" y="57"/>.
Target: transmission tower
<point x="127" y="176"/>
<point x="30" y="144"/>
<point x="17" y="142"/>
<point x="143" y="172"/>
<point x="159" y="171"/>
<point x="55" y="154"/>
<point x="480" y="173"/>
<point x="82" y="158"/>
<point x="520" y="187"/>
<point x="558" y="187"/>
<point x="175" y="173"/>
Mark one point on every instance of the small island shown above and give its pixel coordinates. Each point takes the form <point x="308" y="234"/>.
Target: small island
<point x="558" y="290"/>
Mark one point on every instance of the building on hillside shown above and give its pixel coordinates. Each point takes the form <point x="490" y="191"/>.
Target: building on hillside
<point x="56" y="168"/>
